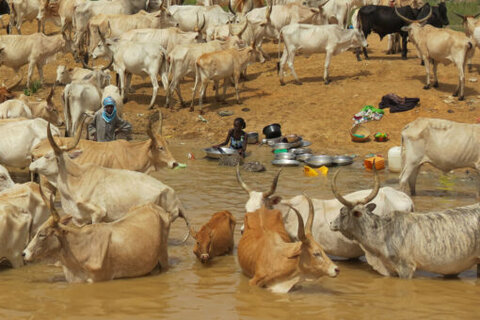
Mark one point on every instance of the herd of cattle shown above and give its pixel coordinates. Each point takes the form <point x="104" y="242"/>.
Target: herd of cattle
<point x="116" y="218"/>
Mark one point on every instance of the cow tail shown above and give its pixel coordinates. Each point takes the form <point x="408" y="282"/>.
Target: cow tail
<point x="280" y="38"/>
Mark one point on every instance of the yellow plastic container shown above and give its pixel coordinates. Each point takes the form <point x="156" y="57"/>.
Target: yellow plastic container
<point x="323" y="170"/>
<point x="309" y="172"/>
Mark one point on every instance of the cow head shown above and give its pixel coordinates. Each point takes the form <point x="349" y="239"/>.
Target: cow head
<point x="203" y="245"/>
<point x="63" y="75"/>
<point x="160" y="155"/>
<point x="48" y="165"/>
<point x="48" y="110"/>
<point x="313" y="13"/>
<point x="6" y="181"/>
<point x="163" y="19"/>
<point x="356" y="218"/>
<point x="469" y="22"/>
<point x="413" y="24"/>
<point x="105" y="47"/>
<point x="48" y="239"/>
<point x="259" y="199"/>
<point x="6" y="93"/>
<point x="313" y="261"/>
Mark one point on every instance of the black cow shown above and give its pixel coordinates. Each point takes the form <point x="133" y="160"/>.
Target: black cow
<point x="383" y="20"/>
<point x="4" y="9"/>
<point x="439" y="17"/>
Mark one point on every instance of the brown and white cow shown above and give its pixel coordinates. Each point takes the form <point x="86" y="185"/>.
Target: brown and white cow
<point x="131" y="247"/>
<point x="215" y="238"/>
<point x="268" y="256"/>
<point x="6" y="91"/>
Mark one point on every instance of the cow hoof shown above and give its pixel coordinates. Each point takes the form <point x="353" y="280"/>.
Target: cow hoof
<point x="327" y="81"/>
<point x="282" y="83"/>
<point x="455" y="94"/>
<point x="191" y="109"/>
<point x="125" y="100"/>
<point x="201" y="112"/>
<point x="435" y="84"/>
<point x="461" y="98"/>
<point x="151" y="107"/>
<point x="404" y="58"/>
<point x="426" y="87"/>
<point x="422" y="63"/>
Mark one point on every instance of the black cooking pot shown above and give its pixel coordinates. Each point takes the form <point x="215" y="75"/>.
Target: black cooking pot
<point x="272" y="131"/>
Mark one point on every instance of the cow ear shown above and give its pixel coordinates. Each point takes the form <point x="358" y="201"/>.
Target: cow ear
<point x="92" y="248"/>
<point x="405" y="28"/>
<point x="75" y="154"/>
<point x="294" y="251"/>
<point x="371" y="206"/>
<point x="275" y="200"/>
<point x="70" y="69"/>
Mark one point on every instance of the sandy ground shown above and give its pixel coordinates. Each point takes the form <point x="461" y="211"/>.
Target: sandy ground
<point x="320" y="113"/>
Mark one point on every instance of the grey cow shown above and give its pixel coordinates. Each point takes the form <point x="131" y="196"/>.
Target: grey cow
<point x="445" y="242"/>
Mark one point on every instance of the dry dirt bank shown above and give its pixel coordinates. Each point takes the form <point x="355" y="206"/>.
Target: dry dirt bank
<point x="320" y="113"/>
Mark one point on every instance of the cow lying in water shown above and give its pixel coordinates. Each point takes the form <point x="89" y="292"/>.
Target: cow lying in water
<point x="130" y="247"/>
<point x="444" y="242"/>
<point x="272" y="260"/>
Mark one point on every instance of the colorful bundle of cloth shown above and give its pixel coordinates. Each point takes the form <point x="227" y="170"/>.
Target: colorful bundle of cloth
<point x="368" y="113"/>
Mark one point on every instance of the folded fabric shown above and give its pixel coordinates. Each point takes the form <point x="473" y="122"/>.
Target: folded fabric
<point x="398" y="104"/>
<point x="368" y="113"/>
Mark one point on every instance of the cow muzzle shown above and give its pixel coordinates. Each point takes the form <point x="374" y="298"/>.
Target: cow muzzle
<point x="333" y="271"/>
<point x="27" y="256"/>
<point x="334" y="226"/>
<point x="204" y="257"/>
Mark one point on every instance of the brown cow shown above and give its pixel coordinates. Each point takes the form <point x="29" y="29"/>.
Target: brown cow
<point x="6" y="93"/>
<point x="215" y="238"/>
<point x="267" y="254"/>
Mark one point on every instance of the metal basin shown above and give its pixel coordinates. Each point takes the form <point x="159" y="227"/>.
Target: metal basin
<point x="286" y="163"/>
<point x="271" y="142"/>
<point x="252" y="137"/>
<point x="318" y="161"/>
<point x="216" y="153"/>
<point x="303" y="157"/>
<point x="342" y="160"/>
<point x="301" y="150"/>
<point x="285" y="155"/>
<point x="304" y="143"/>
<point x="282" y="145"/>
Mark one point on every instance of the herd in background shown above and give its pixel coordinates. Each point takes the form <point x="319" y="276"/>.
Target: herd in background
<point x="116" y="218"/>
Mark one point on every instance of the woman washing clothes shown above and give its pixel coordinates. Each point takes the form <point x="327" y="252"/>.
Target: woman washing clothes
<point x="237" y="137"/>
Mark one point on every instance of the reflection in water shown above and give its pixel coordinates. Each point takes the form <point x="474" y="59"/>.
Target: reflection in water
<point x="220" y="291"/>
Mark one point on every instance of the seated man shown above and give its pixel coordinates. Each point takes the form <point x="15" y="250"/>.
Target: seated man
<point x="106" y="124"/>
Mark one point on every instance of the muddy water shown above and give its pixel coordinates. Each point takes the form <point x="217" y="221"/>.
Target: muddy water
<point x="219" y="291"/>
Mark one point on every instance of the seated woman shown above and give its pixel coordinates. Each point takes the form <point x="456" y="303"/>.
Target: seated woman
<point x="237" y="137"/>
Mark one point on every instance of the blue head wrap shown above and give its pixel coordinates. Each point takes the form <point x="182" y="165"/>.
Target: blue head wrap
<point x="108" y="101"/>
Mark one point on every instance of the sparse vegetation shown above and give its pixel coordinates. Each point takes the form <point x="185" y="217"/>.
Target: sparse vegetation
<point x="34" y="86"/>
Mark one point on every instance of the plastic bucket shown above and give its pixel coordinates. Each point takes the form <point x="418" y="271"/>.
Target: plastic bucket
<point x="395" y="159"/>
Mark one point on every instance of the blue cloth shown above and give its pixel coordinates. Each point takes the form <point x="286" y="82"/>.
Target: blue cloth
<point x="236" y="144"/>
<point x="108" y="117"/>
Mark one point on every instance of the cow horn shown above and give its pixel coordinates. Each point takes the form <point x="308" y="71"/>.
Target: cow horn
<point x="274" y="185"/>
<point x="102" y="38"/>
<point x="337" y="195"/>
<point x="402" y="17"/>
<point x="459" y="15"/>
<point x="15" y="84"/>
<point x="52" y="142"/>
<point x="375" y="189"/>
<point x="301" y="228"/>
<point x="108" y="66"/>
<point x="311" y="215"/>
<point x="322" y="4"/>
<point x="241" y="182"/>
<point x="250" y="6"/>
<point x="86" y="66"/>
<point x="269" y="10"/>
<point x="245" y="24"/>
<point x="77" y="134"/>
<point x="50" y="96"/>
<point x="150" y="132"/>
<point x="230" y="7"/>
<point x="203" y="24"/>
<point x="53" y="211"/>
<point x="427" y="17"/>
<point x="476" y="16"/>
<point x="160" y="122"/>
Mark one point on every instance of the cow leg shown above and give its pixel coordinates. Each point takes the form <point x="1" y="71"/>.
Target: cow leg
<point x="216" y="83"/>
<point x="202" y="92"/>
<point x="195" y="88"/>
<point x="225" y="84"/>
<point x="404" y="46"/>
<point x="427" y="69"/>
<point x="153" y="77"/>
<point x="290" y="59"/>
<point x="404" y="269"/>
<point x="30" y="73"/>
<point x="365" y="53"/>
<point x="236" y="78"/>
<point x="461" y="80"/>
<point x="40" y="71"/>
<point x="435" y="79"/>
<point x="179" y="94"/>
<point x="409" y="175"/>
<point x="129" y="82"/>
<point x="264" y="56"/>
<point x="281" y="65"/>
<point x="327" y="64"/>
<point x="121" y="75"/>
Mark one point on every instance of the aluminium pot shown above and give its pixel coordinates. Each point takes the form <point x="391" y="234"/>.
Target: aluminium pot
<point x="272" y="131"/>
<point x="252" y="137"/>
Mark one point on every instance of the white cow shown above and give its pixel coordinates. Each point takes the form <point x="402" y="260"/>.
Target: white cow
<point x="67" y="75"/>
<point x="6" y="181"/>
<point x="139" y="58"/>
<point x="425" y="140"/>
<point x="334" y="243"/>
<point x="18" y="139"/>
<point x="28" y="10"/>
<point x="35" y="50"/>
<point x="23" y="108"/>
<point x="190" y="17"/>
<point x="82" y="96"/>
<point x="330" y="39"/>
<point x="182" y="59"/>
<point x="92" y="194"/>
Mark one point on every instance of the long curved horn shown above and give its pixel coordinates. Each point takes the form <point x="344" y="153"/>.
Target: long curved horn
<point x="337" y="195"/>
<point x="311" y="215"/>
<point x="239" y="34"/>
<point x="50" y="96"/>
<point x="52" y="142"/>
<point x="108" y="66"/>
<point x="459" y="15"/>
<point x="203" y="24"/>
<point x="427" y="17"/>
<point x="100" y="34"/>
<point x="403" y="18"/>
<point x="196" y="23"/>
<point x="86" y="66"/>
<point x="160" y="122"/>
<point x="241" y="182"/>
<point x="375" y="189"/>
<point x="15" y="84"/>
<point x="230" y="7"/>
<point x="476" y="16"/>
<point x="78" y="134"/>
<point x="301" y="228"/>
<point x="150" y="131"/>
<point x="322" y="4"/>
<point x="274" y="185"/>
<point x="53" y="211"/>
<point x="250" y="6"/>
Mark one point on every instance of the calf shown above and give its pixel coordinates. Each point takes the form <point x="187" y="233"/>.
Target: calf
<point x="130" y="247"/>
<point x="444" y="242"/>
<point x="215" y="238"/>
<point x="331" y="39"/>
<point x="220" y="65"/>
<point x="272" y="260"/>
<point x="67" y="75"/>
<point x="440" y="46"/>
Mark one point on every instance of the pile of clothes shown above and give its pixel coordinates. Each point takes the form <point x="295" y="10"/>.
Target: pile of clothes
<point x="368" y="113"/>
<point x="398" y="104"/>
